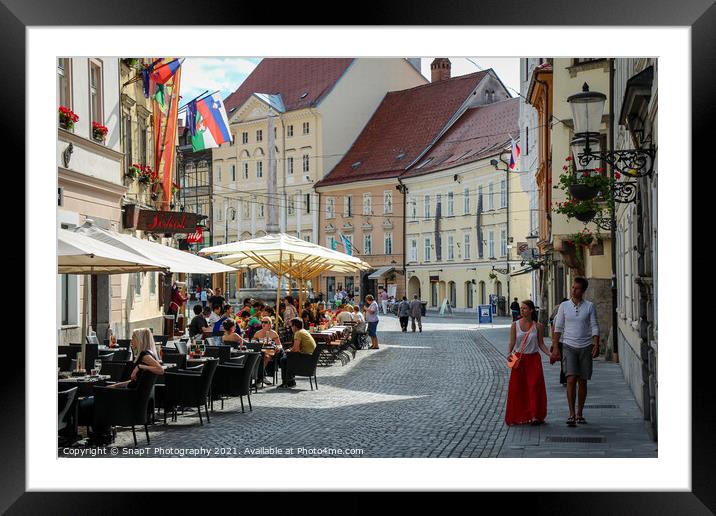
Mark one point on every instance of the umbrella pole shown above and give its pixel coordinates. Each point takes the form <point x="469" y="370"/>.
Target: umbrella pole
<point x="278" y="287"/>
<point x="300" y="294"/>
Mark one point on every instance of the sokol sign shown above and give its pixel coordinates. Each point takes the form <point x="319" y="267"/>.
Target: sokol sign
<point x="166" y="221"/>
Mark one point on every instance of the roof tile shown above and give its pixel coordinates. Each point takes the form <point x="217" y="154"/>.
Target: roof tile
<point x="291" y="78"/>
<point x="404" y="123"/>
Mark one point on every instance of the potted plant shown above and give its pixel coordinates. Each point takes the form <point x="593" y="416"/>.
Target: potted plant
<point x="99" y="131"/>
<point x="68" y="118"/>
<point x="583" y="211"/>
<point x="147" y="176"/>
<point x="586" y="184"/>
<point x="133" y="171"/>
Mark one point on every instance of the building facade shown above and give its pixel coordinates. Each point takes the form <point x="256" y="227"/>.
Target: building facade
<point x="636" y="127"/>
<point x="90" y="186"/>
<point x="465" y="215"/>
<point x="364" y="196"/>
<point x="299" y="117"/>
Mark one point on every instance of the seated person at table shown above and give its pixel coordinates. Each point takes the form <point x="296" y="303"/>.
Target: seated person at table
<point x="230" y="336"/>
<point x="346" y="314"/>
<point x="146" y="363"/>
<point x="214" y="316"/>
<point x="267" y="335"/>
<point x="198" y="323"/>
<point x="308" y="315"/>
<point x="358" y="315"/>
<point x="302" y="343"/>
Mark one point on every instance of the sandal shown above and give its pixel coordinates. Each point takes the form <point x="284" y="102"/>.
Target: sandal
<point x="571" y="421"/>
<point x="581" y="420"/>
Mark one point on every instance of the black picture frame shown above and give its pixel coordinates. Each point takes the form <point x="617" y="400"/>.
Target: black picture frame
<point x="700" y="15"/>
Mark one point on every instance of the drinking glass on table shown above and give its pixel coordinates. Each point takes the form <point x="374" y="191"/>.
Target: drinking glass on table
<point x="98" y="365"/>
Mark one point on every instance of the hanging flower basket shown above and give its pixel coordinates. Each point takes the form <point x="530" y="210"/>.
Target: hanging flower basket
<point x="583" y="192"/>
<point x="68" y="118"/>
<point x="133" y="171"/>
<point x="99" y="132"/>
<point x="585" y="216"/>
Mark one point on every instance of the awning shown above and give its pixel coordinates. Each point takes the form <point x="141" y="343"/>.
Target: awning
<point x="170" y="258"/>
<point x="80" y="254"/>
<point x="381" y="272"/>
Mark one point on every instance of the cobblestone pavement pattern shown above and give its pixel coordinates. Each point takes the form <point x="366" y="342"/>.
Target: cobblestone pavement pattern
<point x="440" y="393"/>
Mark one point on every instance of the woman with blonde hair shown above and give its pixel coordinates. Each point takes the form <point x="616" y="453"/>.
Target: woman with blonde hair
<point x="265" y="336"/>
<point x="145" y="350"/>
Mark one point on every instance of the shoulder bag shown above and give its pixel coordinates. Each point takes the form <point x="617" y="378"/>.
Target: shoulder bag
<point x="513" y="360"/>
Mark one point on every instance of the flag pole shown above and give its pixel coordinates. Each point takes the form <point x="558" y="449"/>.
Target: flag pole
<point x="190" y="101"/>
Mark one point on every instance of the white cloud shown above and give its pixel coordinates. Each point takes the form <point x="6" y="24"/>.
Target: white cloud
<point x="214" y="73"/>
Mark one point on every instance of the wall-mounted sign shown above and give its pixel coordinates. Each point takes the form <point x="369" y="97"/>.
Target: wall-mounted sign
<point x="434" y="278"/>
<point x="196" y="238"/>
<point x="166" y="221"/>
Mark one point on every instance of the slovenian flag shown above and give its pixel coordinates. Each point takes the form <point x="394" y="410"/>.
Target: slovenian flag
<point x="514" y="154"/>
<point x="161" y="73"/>
<point x="211" y="126"/>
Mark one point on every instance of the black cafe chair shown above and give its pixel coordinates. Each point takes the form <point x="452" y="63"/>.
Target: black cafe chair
<point x="124" y="406"/>
<point x="161" y="339"/>
<point x="65" y="401"/>
<point x="106" y="357"/>
<point x="182" y="347"/>
<point x="118" y="370"/>
<point x="301" y="364"/>
<point x="66" y="363"/>
<point x="235" y="380"/>
<point x="188" y="389"/>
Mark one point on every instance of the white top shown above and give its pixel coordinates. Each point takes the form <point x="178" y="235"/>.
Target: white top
<point x="531" y="344"/>
<point x="372" y="312"/>
<point x="577" y="323"/>
<point x="344" y="317"/>
<point x="359" y="317"/>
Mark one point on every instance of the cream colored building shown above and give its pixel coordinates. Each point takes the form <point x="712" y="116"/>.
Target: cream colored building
<point x="363" y="196"/>
<point x="465" y="217"/>
<point x="311" y="134"/>
<point x="315" y="109"/>
<point x="568" y="77"/>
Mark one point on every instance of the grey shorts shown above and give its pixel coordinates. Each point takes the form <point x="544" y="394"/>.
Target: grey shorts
<point x="577" y="361"/>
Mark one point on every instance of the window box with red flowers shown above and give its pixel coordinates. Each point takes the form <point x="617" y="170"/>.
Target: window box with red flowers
<point x="68" y="118"/>
<point x="147" y="176"/>
<point x="99" y="132"/>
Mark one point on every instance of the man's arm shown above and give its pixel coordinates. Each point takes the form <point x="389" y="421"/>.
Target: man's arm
<point x="557" y="331"/>
<point x="595" y="331"/>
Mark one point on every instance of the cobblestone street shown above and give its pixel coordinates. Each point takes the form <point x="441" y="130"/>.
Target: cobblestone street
<point x="440" y="393"/>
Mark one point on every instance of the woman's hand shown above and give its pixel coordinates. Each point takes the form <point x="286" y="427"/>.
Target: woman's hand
<point x="135" y="372"/>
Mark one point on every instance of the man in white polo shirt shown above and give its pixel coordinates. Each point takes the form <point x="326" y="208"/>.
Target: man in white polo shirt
<point x="575" y="325"/>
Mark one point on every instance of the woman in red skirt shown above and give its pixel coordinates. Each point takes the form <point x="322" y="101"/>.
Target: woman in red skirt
<point x="527" y="395"/>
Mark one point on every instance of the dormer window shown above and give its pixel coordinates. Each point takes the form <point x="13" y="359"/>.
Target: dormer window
<point x="303" y="96"/>
<point x="424" y="163"/>
<point x="356" y="165"/>
<point x="401" y="155"/>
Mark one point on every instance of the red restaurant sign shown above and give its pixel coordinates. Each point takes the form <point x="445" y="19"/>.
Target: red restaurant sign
<point x="167" y="221"/>
<point x="195" y="238"/>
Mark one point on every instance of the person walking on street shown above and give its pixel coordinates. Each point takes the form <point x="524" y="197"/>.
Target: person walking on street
<point x="562" y="378"/>
<point x="416" y="311"/>
<point x="371" y="317"/>
<point x="404" y="314"/>
<point x="515" y="308"/>
<point x="576" y="327"/>
<point x="203" y="297"/>
<point x="526" y="393"/>
<point x="384" y="301"/>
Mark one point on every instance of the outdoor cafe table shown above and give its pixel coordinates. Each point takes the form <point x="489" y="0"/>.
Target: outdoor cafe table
<point x="84" y="384"/>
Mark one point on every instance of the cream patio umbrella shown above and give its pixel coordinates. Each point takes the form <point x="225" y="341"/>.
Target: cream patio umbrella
<point x="286" y="255"/>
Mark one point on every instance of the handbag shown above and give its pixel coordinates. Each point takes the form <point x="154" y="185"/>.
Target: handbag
<point x="514" y="360"/>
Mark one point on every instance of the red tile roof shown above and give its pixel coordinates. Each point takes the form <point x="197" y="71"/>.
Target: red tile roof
<point x="480" y="132"/>
<point x="406" y="122"/>
<point x="290" y="77"/>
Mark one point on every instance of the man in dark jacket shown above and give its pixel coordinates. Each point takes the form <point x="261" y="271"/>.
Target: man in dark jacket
<point x="416" y="311"/>
<point x="404" y="313"/>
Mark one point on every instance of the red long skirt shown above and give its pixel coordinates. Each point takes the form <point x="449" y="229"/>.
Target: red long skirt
<point x="526" y="394"/>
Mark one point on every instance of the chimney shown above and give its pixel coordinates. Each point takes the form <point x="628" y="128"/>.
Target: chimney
<point x="440" y="69"/>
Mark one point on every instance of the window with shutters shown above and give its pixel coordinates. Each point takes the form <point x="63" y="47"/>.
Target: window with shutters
<point x="367" y="207"/>
<point x="388" y="243"/>
<point x="367" y="244"/>
<point x="259" y="135"/>
<point x="426" y="207"/>
<point x="259" y="169"/>
<point x="387" y="201"/>
<point x="426" y="250"/>
<point x="503" y="193"/>
<point x="466" y="201"/>
<point x="64" y="81"/>
<point x="413" y="250"/>
<point x="330" y="207"/>
<point x="306" y="127"/>
<point x="466" y="247"/>
<point x="289" y="131"/>
<point x="244" y="137"/>
<point x="290" y="165"/>
<point x="245" y="169"/>
<point x="348" y="206"/>
<point x="490" y="196"/>
<point x="451" y="247"/>
<point x="96" y="92"/>
<point x="450" y="204"/>
<point x="306" y="167"/>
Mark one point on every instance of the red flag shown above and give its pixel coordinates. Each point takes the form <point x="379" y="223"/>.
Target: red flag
<point x="165" y="108"/>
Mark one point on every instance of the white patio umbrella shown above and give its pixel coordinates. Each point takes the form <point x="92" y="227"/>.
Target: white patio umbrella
<point x="286" y="255"/>
<point x="172" y="259"/>
<point x="80" y="254"/>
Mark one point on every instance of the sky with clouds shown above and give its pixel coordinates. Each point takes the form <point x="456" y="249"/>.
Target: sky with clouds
<point x="226" y="74"/>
